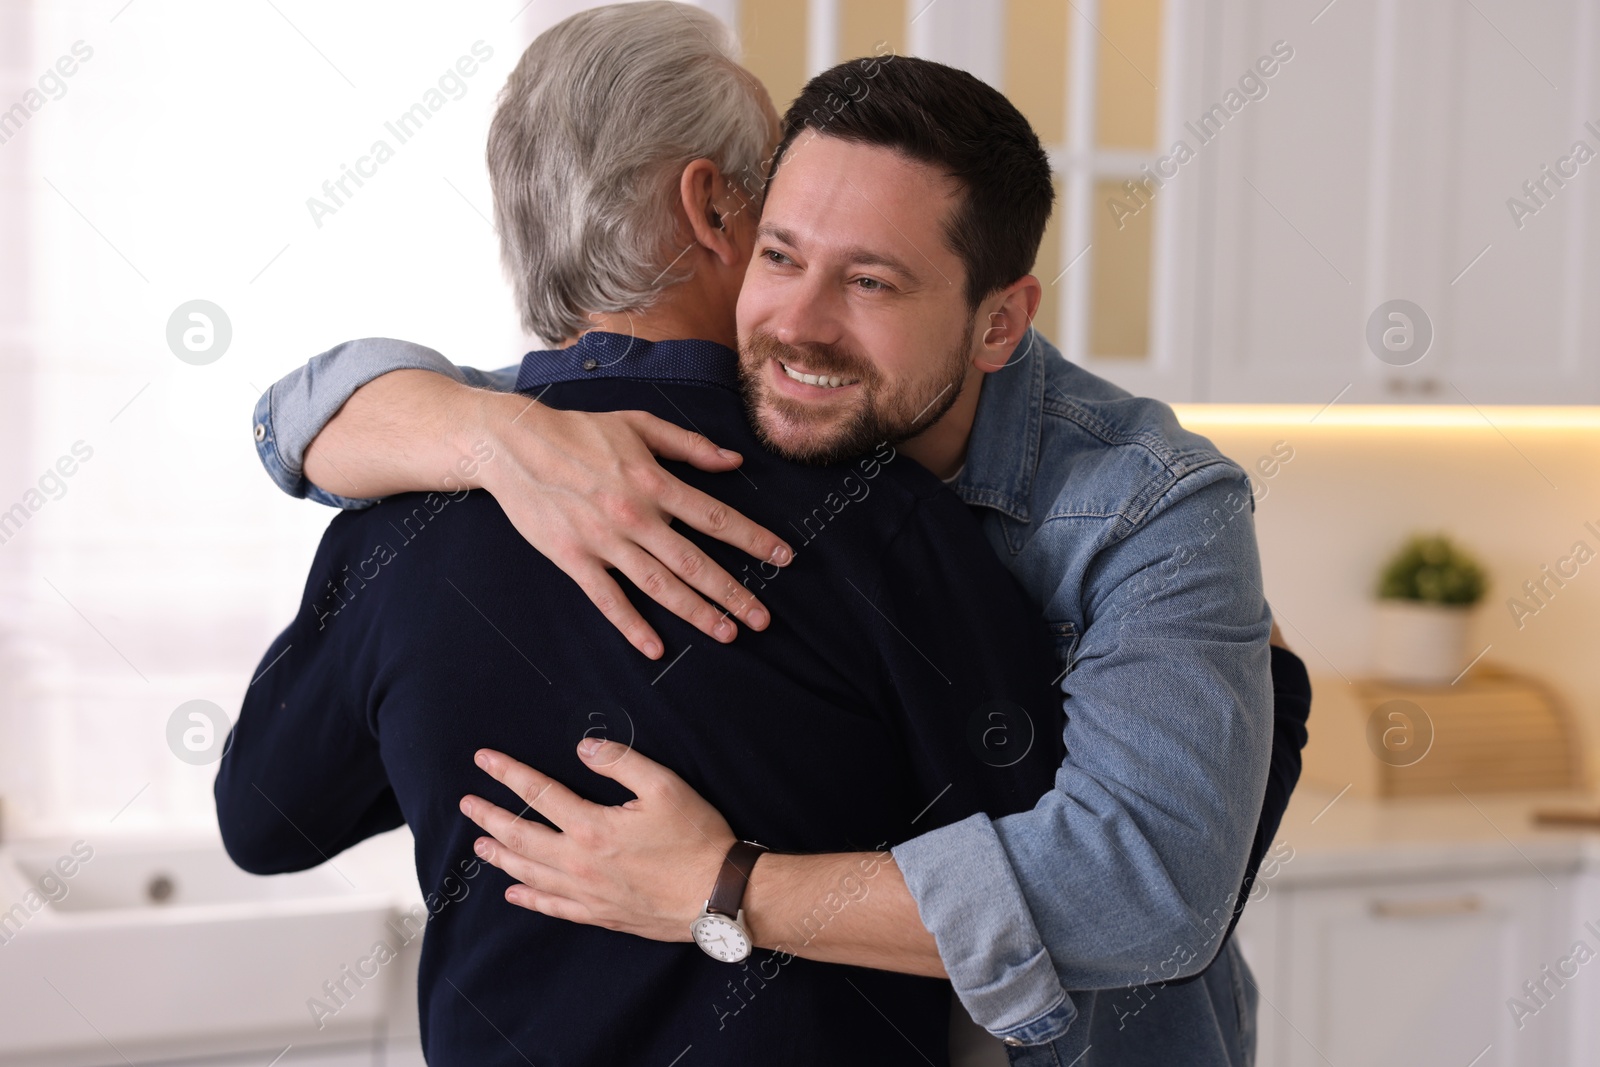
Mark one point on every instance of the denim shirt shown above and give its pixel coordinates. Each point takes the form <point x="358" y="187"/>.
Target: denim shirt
<point x="1136" y="538"/>
<point x="1090" y="929"/>
<point x="289" y="415"/>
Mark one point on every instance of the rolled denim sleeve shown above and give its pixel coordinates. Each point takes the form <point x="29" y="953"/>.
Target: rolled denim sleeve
<point x="1126" y="871"/>
<point x="294" y="410"/>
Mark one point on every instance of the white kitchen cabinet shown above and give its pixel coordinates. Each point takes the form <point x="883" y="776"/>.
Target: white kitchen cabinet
<point x="1415" y="974"/>
<point x="1398" y="932"/>
<point x="1585" y="1008"/>
<point x="1380" y="168"/>
<point x="1380" y="163"/>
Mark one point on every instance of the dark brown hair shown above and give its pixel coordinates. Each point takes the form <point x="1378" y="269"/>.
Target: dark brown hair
<point x="958" y="124"/>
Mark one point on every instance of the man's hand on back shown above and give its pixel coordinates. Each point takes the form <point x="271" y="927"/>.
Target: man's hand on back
<point x="647" y="866"/>
<point x="643" y="867"/>
<point x="584" y="488"/>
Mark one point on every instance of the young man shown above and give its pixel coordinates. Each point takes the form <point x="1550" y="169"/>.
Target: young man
<point x="429" y="629"/>
<point x="891" y="268"/>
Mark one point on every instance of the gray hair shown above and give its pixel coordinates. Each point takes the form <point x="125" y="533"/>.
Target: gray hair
<point x="589" y="139"/>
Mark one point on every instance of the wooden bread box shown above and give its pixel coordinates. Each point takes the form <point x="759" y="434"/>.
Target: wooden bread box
<point x="1492" y="732"/>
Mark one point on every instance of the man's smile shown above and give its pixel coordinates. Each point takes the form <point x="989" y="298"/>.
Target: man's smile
<point x="826" y="381"/>
<point x="792" y="381"/>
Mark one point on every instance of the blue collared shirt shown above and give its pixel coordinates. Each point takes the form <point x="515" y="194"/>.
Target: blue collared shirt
<point x="1136" y="539"/>
<point x="1091" y="928"/>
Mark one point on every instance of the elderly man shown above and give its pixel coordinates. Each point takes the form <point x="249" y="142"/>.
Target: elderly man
<point x="889" y="298"/>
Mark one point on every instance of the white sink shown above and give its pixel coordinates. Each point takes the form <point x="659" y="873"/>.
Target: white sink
<point x="153" y="948"/>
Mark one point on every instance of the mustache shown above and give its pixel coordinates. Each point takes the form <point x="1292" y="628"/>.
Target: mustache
<point x="836" y="360"/>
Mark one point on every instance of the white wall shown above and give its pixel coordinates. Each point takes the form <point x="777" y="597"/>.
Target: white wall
<point x="1517" y="492"/>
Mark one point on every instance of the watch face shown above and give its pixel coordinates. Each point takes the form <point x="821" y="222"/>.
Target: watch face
<point x="721" y="938"/>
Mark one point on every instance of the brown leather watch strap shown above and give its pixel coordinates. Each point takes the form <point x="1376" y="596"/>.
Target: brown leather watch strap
<point x="727" y="896"/>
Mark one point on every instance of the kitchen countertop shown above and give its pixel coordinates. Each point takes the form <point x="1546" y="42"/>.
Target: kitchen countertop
<point x="1334" y="838"/>
<point x="1337" y="838"/>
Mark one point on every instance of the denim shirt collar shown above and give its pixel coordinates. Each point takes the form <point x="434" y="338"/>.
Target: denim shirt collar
<point x="1003" y="451"/>
<point x="598" y="354"/>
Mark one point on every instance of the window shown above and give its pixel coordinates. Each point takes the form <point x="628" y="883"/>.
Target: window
<point x="1089" y="77"/>
<point x="179" y="161"/>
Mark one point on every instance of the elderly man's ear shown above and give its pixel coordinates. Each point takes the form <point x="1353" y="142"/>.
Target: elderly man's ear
<point x="712" y="208"/>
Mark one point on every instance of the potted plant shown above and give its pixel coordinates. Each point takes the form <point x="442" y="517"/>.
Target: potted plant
<point x="1425" y="600"/>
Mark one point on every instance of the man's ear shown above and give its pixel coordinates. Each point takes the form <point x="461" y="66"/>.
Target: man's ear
<point x="702" y="192"/>
<point x="1004" y="320"/>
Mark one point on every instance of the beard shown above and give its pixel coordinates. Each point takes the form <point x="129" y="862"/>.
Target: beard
<point x="825" y="432"/>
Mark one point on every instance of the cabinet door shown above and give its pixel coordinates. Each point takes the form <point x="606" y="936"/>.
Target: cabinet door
<point x="1261" y="937"/>
<point x="1518" y="326"/>
<point x="1384" y="165"/>
<point x="1420" y="973"/>
<point x="1584" y="1009"/>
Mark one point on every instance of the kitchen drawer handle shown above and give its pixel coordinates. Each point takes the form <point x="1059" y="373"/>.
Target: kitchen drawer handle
<point x="1466" y="904"/>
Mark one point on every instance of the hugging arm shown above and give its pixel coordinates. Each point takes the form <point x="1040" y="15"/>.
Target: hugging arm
<point x="937" y="672"/>
<point x="1125" y="872"/>
<point x="1130" y="866"/>
<point x="643" y="867"/>
<point x="374" y="417"/>
<point x="654" y="842"/>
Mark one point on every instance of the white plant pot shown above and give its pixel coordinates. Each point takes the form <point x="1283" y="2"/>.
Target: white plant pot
<point x="1421" y="644"/>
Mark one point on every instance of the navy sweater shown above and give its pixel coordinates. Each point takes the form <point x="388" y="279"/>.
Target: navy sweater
<point x="905" y="682"/>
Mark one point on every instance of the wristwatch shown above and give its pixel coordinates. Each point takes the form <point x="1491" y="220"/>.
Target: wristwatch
<point x="719" y="931"/>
